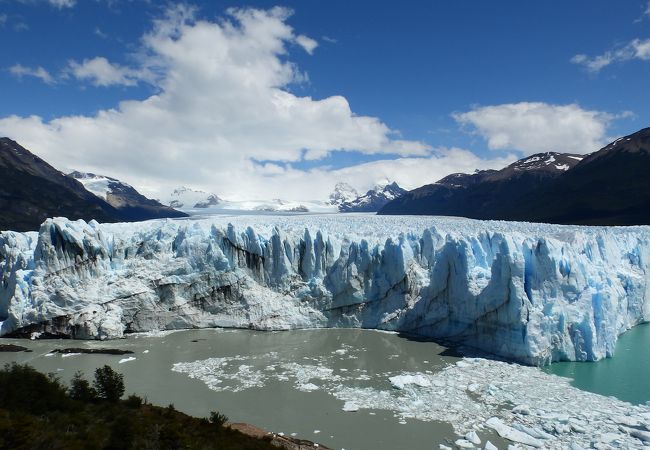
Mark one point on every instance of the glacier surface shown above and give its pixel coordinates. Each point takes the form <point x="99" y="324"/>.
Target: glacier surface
<point x="532" y="293"/>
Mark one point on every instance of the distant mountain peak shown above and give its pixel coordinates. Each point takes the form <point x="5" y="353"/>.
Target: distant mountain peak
<point x="342" y="193"/>
<point x="187" y="198"/>
<point x="374" y="199"/>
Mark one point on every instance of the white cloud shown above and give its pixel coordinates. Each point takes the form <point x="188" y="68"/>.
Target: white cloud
<point x="307" y="43"/>
<point x="635" y="49"/>
<point x="222" y="103"/>
<point x="538" y="127"/>
<point x="3" y="20"/>
<point x="98" y="32"/>
<point x="21" y="71"/>
<point x="62" y="3"/>
<point x="100" y="72"/>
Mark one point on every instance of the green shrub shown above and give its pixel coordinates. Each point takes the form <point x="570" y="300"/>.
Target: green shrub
<point x="109" y="384"/>
<point x="80" y="389"/>
<point x="218" y="419"/>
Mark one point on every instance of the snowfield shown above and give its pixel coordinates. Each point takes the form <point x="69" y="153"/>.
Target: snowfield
<point x="531" y="293"/>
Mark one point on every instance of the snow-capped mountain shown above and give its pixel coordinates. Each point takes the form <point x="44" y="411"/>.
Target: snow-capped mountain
<point x="342" y="193"/>
<point x="100" y="185"/>
<point x="373" y="200"/>
<point x="533" y="293"/>
<point x="124" y="197"/>
<point x="187" y="198"/>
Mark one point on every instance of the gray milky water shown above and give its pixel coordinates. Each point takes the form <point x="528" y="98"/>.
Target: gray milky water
<point x="261" y="378"/>
<point x="291" y="381"/>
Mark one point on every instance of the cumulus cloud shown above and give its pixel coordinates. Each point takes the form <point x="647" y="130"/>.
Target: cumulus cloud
<point x="534" y="127"/>
<point x="307" y="43"/>
<point x="222" y="104"/>
<point x="100" y="72"/>
<point x="635" y="49"/>
<point x="62" y="3"/>
<point x="20" y="71"/>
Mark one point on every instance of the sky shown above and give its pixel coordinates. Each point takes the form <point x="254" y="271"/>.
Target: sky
<point x="266" y="99"/>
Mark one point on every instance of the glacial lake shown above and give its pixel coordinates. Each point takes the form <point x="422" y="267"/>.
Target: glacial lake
<point x="625" y="376"/>
<point x="261" y="378"/>
<point x="306" y="382"/>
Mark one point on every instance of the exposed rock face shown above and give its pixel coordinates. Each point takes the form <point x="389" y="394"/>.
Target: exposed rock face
<point x="532" y="293"/>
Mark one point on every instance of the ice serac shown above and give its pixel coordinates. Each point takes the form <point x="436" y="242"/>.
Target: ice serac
<point x="528" y="292"/>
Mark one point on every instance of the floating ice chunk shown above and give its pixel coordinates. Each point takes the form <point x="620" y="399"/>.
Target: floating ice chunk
<point x="462" y="443"/>
<point x="490" y="446"/>
<point x="511" y="434"/>
<point x="400" y="381"/>
<point x="146" y="351"/>
<point x="307" y="387"/>
<point x="125" y="360"/>
<point x="444" y="447"/>
<point x="68" y="355"/>
<point x="351" y="407"/>
<point x="640" y="434"/>
<point x="473" y="438"/>
<point x="575" y="446"/>
<point x="521" y="409"/>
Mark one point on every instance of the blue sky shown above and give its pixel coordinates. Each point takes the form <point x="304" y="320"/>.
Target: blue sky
<point x="417" y="89"/>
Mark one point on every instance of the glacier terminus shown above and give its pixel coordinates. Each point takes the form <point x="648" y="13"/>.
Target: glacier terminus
<point x="531" y="293"/>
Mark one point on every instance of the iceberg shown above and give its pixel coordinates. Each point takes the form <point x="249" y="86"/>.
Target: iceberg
<point x="532" y="293"/>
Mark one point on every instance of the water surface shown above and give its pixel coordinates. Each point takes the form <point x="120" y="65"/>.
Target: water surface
<point x="625" y="376"/>
<point x="282" y="403"/>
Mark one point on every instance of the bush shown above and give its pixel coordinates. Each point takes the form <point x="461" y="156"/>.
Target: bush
<point x="109" y="384"/>
<point x="22" y="388"/>
<point x="218" y="419"/>
<point x="133" y="401"/>
<point x="80" y="389"/>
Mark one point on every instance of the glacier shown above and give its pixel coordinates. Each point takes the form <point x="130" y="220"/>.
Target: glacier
<point x="531" y="293"/>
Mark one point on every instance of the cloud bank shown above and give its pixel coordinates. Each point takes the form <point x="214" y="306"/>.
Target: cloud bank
<point x="535" y="127"/>
<point x="635" y="49"/>
<point x="224" y="119"/>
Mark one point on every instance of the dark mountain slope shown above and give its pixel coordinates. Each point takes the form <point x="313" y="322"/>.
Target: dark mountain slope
<point x="31" y="190"/>
<point x="486" y="194"/>
<point x="609" y="187"/>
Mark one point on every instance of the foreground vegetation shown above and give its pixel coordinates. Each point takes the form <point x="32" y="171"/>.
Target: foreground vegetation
<point x="38" y="412"/>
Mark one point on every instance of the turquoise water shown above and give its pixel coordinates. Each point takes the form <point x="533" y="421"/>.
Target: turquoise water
<point x="625" y="376"/>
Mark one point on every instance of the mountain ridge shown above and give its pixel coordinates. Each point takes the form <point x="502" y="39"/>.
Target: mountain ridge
<point x="607" y="187"/>
<point x="33" y="190"/>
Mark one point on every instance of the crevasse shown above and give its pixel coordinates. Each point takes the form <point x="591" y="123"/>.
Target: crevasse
<point x="532" y="293"/>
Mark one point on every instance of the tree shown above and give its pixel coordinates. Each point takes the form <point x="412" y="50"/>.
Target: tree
<point x="80" y="389"/>
<point x="109" y="384"/>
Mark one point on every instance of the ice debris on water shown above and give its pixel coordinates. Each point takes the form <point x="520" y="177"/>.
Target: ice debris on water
<point x="545" y="414"/>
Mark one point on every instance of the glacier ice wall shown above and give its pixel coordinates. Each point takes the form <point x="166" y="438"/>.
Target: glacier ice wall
<point x="528" y="292"/>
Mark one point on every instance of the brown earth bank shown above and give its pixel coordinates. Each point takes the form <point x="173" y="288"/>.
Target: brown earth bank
<point x="281" y="441"/>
